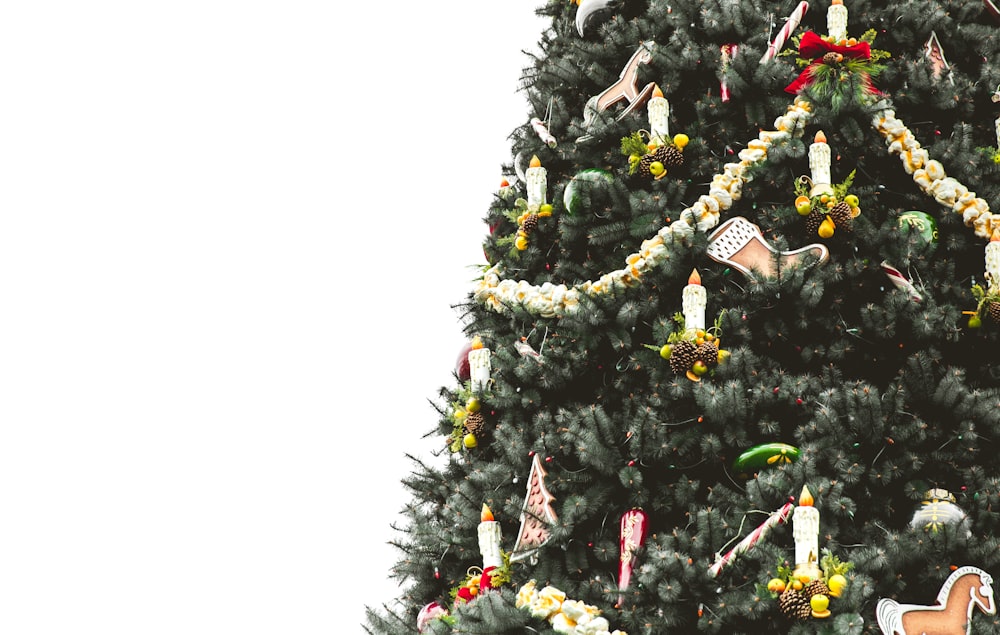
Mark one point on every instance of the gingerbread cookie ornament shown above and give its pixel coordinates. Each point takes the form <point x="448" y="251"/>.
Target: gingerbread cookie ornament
<point x="966" y="589"/>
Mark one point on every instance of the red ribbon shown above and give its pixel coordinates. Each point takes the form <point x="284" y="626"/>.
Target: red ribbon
<point x="465" y="595"/>
<point x="486" y="580"/>
<point x="814" y="47"/>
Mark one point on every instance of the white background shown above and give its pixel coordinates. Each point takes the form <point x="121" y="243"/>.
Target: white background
<point x="231" y="236"/>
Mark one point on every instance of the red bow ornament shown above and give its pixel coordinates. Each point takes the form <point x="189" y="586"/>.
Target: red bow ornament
<point x="486" y="581"/>
<point x="815" y="48"/>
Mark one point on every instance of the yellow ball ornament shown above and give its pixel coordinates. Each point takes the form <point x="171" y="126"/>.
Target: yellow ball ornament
<point x="681" y="140"/>
<point x="470" y="441"/>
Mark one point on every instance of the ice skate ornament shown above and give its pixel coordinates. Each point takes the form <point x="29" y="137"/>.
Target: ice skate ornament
<point x="626" y="88"/>
<point x="555" y="300"/>
<point x="966" y="589"/>
<point x="740" y="244"/>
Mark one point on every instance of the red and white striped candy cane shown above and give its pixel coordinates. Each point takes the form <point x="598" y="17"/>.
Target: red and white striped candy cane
<point x="751" y="541"/>
<point x="543" y="132"/>
<point x="728" y="52"/>
<point x="901" y="282"/>
<point x="786" y="32"/>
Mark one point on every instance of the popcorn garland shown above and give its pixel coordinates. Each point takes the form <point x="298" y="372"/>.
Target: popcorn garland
<point x="551" y="300"/>
<point x="929" y="175"/>
<point x="567" y="617"/>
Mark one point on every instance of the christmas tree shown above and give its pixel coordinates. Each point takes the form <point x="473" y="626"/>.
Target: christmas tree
<point x="731" y="363"/>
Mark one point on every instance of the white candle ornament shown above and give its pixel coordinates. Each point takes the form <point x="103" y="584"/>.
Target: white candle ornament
<point x="479" y="366"/>
<point x="993" y="264"/>
<point x="489" y="539"/>
<point x="658" y="111"/>
<point x="998" y="131"/>
<point x="775" y="46"/>
<point x="836" y="20"/>
<point x="535" y="178"/>
<point x="820" y="158"/>
<point x="694" y="300"/>
<point x="805" y="531"/>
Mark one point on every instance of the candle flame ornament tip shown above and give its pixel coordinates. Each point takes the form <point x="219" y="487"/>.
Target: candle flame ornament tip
<point x="535" y="163"/>
<point x="820" y="137"/>
<point x="806" y="498"/>
<point x="656" y="91"/>
<point x="486" y="515"/>
<point x="695" y="277"/>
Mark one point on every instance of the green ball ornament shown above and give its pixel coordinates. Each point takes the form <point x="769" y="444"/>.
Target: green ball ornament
<point x="765" y="455"/>
<point x="584" y="187"/>
<point x="921" y="223"/>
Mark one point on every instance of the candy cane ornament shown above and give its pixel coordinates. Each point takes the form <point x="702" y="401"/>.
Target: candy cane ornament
<point x="748" y="543"/>
<point x="728" y="53"/>
<point x="543" y="132"/>
<point x="634" y="529"/>
<point x="786" y="32"/>
<point x="901" y="282"/>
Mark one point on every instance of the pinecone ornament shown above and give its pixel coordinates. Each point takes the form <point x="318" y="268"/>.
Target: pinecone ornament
<point x="474" y="423"/>
<point x="832" y="58"/>
<point x="993" y="310"/>
<point x="669" y="155"/>
<point x="708" y="353"/>
<point x="644" y="163"/>
<point x="841" y="215"/>
<point x="815" y="587"/>
<point x="530" y="223"/>
<point x="682" y="355"/>
<point x="814" y="220"/>
<point x="794" y="604"/>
